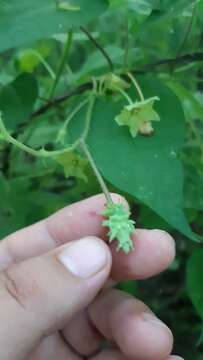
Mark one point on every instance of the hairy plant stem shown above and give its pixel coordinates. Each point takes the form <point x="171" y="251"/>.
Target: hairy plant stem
<point x="137" y="86"/>
<point x="124" y="94"/>
<point x="62" y="63"/>
<point x="64" y="127"/>
<point x="96" y="171"/>
<point x="88" y="118"/>
<point x="37" y="153"/>
<point x="4" y="135"/>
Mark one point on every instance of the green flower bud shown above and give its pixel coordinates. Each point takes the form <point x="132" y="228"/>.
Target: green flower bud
<point x="120" y="226"/>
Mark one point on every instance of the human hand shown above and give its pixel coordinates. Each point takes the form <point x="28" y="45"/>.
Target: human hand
<point x="50" y="305"/>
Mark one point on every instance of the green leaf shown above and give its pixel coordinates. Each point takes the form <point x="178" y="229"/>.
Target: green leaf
<point x="25" y="21"/>
<point x="193" y="191"/>
<point x="14" y="205"/>
<point x="142" y="7"/>
<point x="96" y="60"/>
<point x="28" y="60"/>
<point x="200" y="340"/>
<point x="17" y="100"/>
<point x="73" y="165"/>
<point x="194" y="280"/>
<point x="192" y="107"/>
<point x="129" y="287"/>
<point x="96" y="64"/>
<point x="182" y="7"/>
<point x="145" y="167"/>
<point x="150" y="220"/>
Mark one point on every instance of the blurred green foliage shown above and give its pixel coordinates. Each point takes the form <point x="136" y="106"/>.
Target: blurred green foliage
<point x="44" y="56"/>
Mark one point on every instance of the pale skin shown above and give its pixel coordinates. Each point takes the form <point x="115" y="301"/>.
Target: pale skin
<point x="56" y="294"/>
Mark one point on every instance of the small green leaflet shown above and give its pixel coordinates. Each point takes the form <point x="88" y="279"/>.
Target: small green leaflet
<point x="138" y="116"/>
<point x="73" y="165"/>
<point x="120" y="226"/>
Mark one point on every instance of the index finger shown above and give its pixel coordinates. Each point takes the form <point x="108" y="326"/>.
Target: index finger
<point x="154" y="249"/>
<point x="70" y="223"/>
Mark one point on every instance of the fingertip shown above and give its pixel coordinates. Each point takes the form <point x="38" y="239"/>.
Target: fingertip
<point x="165" y="246"/>
<point x="117" y="198"/>
<point x="154" y="251"/>
<point x="147" y="338"/>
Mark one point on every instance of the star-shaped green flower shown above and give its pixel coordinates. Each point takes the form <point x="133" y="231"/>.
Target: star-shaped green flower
<point x="138" y="116"/>
<point x="120" y="226"/>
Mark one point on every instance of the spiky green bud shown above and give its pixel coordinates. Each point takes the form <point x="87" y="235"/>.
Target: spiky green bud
<point x="120" y="226"/>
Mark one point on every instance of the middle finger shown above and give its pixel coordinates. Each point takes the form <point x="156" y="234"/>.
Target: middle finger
<point x="123" y="320"/>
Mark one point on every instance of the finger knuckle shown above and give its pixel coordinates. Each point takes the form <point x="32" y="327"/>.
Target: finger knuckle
<point x="20" y="286"/>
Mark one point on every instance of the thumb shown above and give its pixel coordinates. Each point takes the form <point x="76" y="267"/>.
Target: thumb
<point x="40" y="295"/>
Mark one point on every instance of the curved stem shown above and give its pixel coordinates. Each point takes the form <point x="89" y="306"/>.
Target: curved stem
<point x="135" y="83"/>
<point x="4" y="135"/>
<point x="69" y="118"/>
<point x="62" y="63"/>
<point x="88" y="118"/>
<point x="37" y="153"/>
<point x="44" y="62"/>
<point x="96" y="171"/>
<point x="125" y="95"/>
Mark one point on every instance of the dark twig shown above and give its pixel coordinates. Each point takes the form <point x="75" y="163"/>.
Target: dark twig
<point x="99" y="47"/>
<point x="189" y="58"/>
<point x="56" y="101"/>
